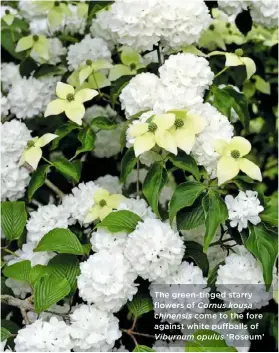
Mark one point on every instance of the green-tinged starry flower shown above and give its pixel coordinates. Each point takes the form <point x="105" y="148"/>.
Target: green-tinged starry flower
<point x="37" y="44"/>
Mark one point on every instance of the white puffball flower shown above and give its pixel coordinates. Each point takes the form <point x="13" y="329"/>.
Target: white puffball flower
<point x="107" y="280"/>
<point x="139" y="94"/>
<point x="46" y="316"/>
<point x="103" y="239"/>
<point x="80" y="201"/>
<point x="93" y="330"/>
<point x="264" y="13"/>
<point x="44" y="220"/>
<point x="217" y="127"/>
<point x="29" y="97"/>
<point x="188" y="71"/>
<point x="154" y="249"/>
<point x="163" y="346"/>
<point x="233" y="7"/>
<point x="9" y="75"/>
<point x="27" y="253"/>
<point x="107" y="143"/>
<point x="5" y="106"/>
<point x="134" y="23"/>
<point x="244" y="208"/>
<point x="87" y="49"/>
<point x="56" y="50"/>
<point x="40" y="26"/>
<point x="183" y="22"/>
<point x="187" y="277"/>
<point x="14" y="179"/>
<point x="241" y="273"/>
<point x="73" y="24"/>
<point x="137" y="206"/>
<point x="96" y="111"/>
<point x="19" y="288"/>
<point x="14" y="138"/>
<point x="43" y="336"/>
<point x="110" y="183"/>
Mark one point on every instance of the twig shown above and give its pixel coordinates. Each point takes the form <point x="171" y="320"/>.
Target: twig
<point x="54" y="188"/>
<point x="159" y="55"/>
<point x="138" y="189"/>
<point x="218" y="242"/>
<point x="23" y="305"/>
<point x="220" y="72"/>
<point x="9" y="251"/>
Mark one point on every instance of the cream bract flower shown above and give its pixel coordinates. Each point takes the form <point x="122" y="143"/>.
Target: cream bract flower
<point x="148" y="134"/>
<point x="185" y="128"/>
<point x="104" y="203"/>
<point x="33" y="151"/>
<point x="70" y="102"/>
<point x="232" y="161"/>
<point x="37" y="44"/>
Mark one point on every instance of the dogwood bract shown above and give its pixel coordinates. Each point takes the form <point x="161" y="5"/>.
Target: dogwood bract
<point x="37" y="44"/>
<point x="33" y="152"/>
<point x="70" y="102"/>
<point x="232" y="161"/>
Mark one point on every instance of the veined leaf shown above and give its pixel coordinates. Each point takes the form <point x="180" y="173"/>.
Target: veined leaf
<point x="13" y="218"/>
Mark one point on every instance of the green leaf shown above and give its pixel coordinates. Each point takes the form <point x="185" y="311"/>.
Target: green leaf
<point x="27" y="66"/>
<point x="117" y="87"/>
<point x="103" y="123"/>
<point x="118" y="71"/>
<point x="8" y="42"/>
<point x="13" y="218"/>
<point x="37" y="180"/>
<point x="36" y="273"/>
<point x="262" y="85"/>
<point x="19" y="271"/>
<point x="153" y="184"/>
<point x="216" y="212"/>
<point x="98" y="80"/>
<point x="5" y="334"/>
<point x="63" y="131"/>
<point x="222" y="101"/>
<point x="240" y="105"/>
<point x="185" y="162"/>
<point x="129" y="56"/>
<point x="71" y="170"/>
<point x="191" y="217"/>
<point x="47" y="69"/>
<point x="195" y="252"/>
<point x="65" y="266"/>
<point x="87" y="138"/>
<point x="48" y="291"/>
<point x="140" y="305"/>
<point x="120" y="221"/>
<point x="62" y="241"/>
<point x="141" y="348"/>
<point x="127" y="164"/>
<point x="263" y="244"/>
<point x="184" y="196"/>
<point x="270" y="213"/>
<point x="207" y="341"/>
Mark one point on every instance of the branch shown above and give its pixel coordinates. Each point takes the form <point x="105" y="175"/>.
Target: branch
<point x="23" y="305"/>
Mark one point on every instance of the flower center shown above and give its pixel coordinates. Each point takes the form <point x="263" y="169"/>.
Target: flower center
<point x="235" y="154"/>
<point x="228" y="25"/>
<point x="132" y="66"/>
<point x="102" y="203"/>
<point x="88" y="62"/>
<point x="152" y="127"/>
<point x="211" y="27"/>
<point x="178" y="123"/>
<point x="238" y="52"/>
<point x="30" y="144"/>
<point x="70" y="97"/>
<point x="35" y="38"/>
<point x="7" y="12"/>
<point x="56" y="3"/>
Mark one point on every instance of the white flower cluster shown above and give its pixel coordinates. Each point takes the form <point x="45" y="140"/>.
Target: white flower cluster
<point x="9" y="74"/>
<point x="98" y="110"/>
<point x="154" y="249"/>
<point x="107" y="143"/>
<point x="163" y="346"/>
<point x="183" y="79"/>
<point x="29" y="97"/>
<point x="241" y="273"/>
<point x="87" y="49"/>
<point x="137" y="206"/>
<point x="93" y="330"/>
<point x="107" y="280"/>
<point x="43" y="336"/>
<point x="103" y="239"/>
<point x="141" y="25"/>
<point x="244" y="208"/>
<point x="44" y="220"/>
<point x="110" y="183"/>
<point x="14" y="179"/>
<point x="263" y="12"/>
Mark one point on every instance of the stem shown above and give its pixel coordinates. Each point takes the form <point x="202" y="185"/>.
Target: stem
<point x="98" y="88"/>
<point x="159" y="55"/>
<point x="138" y="190"/>
<point x="54" y="188"/>
<point x="9" y="252"/>
<point x="134" y="324"/>
<point x="220" y="72"/>
<point x="218" y="242"/>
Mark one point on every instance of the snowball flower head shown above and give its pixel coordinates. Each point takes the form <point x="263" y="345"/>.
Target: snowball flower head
<point x="139" y="94"/>
<point x="242" y="273"/>
<point x="110" y="183"/>
<point x="52" y="336"/>
<point x="103" y="239"/>
<point x="243" y="208"/>
<point x="137" y="206"/>
<point x="97" y="110"/>
<point x="9" y="75"/>
<point x="88" y="49"/>
<point x="151" y="130"/>
<point x="188" y="71"/>
<point x="5" y="106"/>
<point x="233" y="7"/>
<point x="154" y="249"/>
<point x="163" y="346"/>
<point x="104" y="203"/>
<point x="107" y="280"/>
<point x="107" y="143"/>
<point x="265" y="13"/>
<point x="232" y="161"/>
<point x="44" y="220"/>
<point x="70" y="102"/>
<point x="19" y="288"/>
<point x="93" y="330"/>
